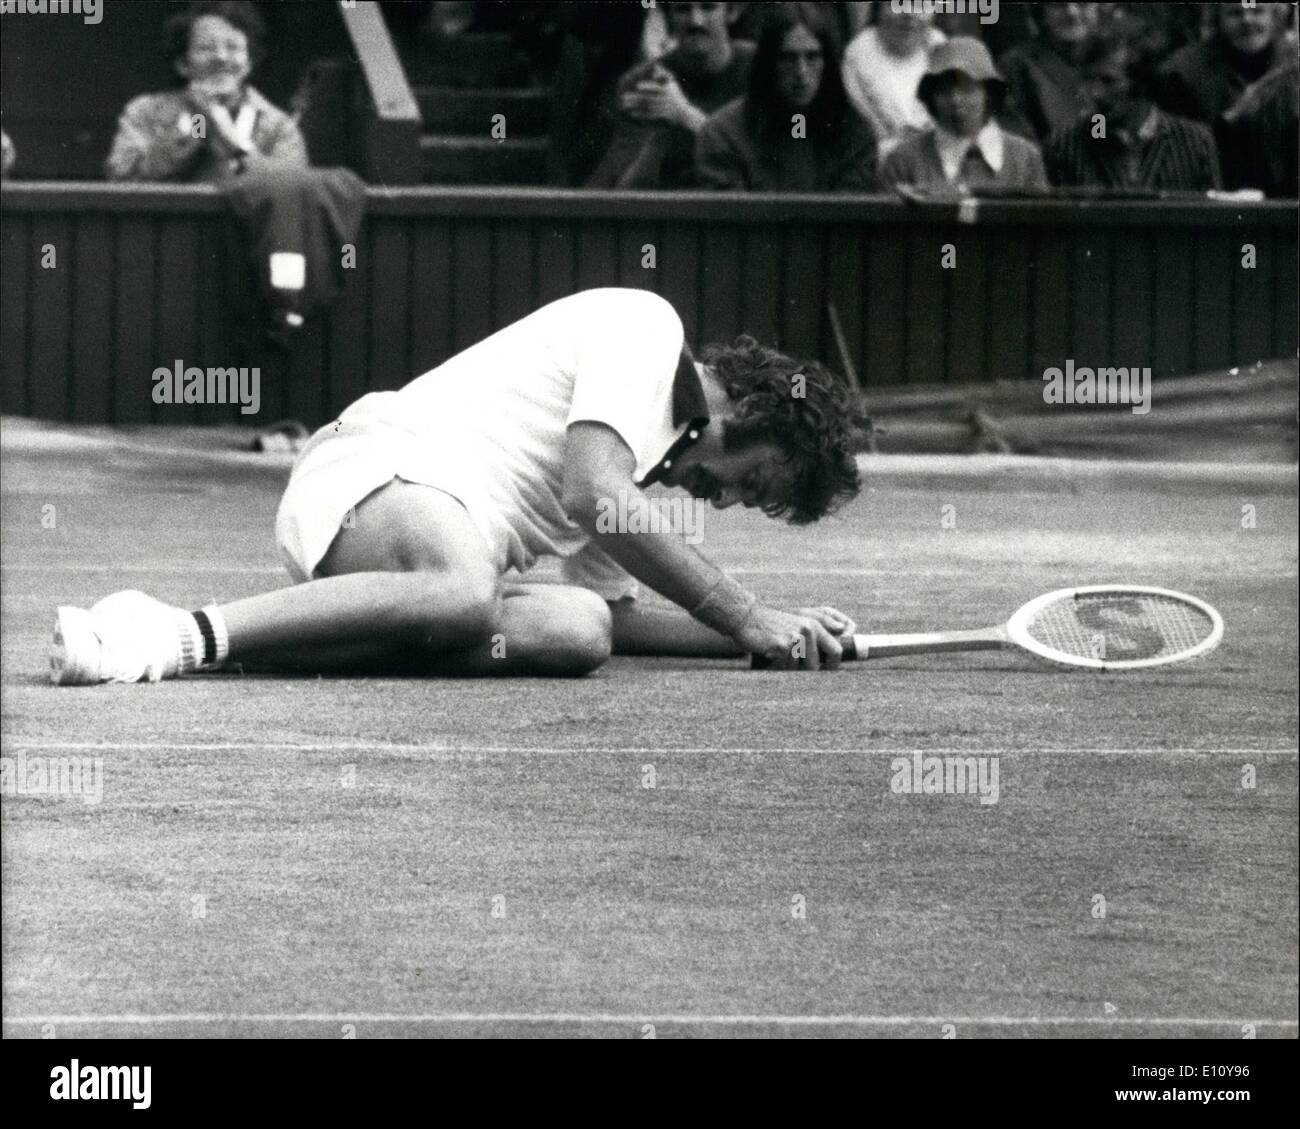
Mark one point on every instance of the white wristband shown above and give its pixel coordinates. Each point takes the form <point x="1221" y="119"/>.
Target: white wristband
<point x="726" y="607"/>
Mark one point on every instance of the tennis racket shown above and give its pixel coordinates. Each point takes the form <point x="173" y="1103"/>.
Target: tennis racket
<point x="1101" y="627"/>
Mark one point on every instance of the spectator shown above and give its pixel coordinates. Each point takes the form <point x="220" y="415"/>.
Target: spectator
<point x="1045" y="89"/>
<point x="1203" y="80"/>
<point x="967" y="149"/>
<point x="663" y="103"/>
<point x="1129" y="143"/>
<point x="1259" y="134"/>
<point x="795" y="130"/>
<point x="450" y="18"/>
<point x="1155" y="30"/>
<point x="882" y="67"/>
<point x="219" y="129"/>
<point x="217" y="126"/>
<point x="1013" y="27"/>
<point x="599" y="42"/>
<point x="844" y="19"/>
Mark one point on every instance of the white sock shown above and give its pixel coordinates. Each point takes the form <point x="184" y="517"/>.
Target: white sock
<point x="205" y="642"/>
<point x="191" y="642"/>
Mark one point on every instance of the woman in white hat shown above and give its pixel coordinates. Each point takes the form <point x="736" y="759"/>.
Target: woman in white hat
<point x="966" y="150"/>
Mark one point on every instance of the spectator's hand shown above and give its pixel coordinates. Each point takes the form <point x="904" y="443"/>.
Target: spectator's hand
<point x="662" y="99"/>
<point x="8" y="154"/>
<point x="210" y="97"/>
<point x="222" y="134"/>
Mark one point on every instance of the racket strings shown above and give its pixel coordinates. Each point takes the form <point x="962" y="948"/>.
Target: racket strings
<point x="1119" y="627"/>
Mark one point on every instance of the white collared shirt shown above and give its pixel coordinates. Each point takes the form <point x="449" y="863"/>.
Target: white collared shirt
<point x="489" y="426"/>
<point x="953" y="149"/>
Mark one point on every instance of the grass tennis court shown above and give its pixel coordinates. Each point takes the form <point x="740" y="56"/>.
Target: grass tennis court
<point x="291" y="856"/>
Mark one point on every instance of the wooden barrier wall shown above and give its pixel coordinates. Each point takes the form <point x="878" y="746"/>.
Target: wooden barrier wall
<point x="145" y="277"/>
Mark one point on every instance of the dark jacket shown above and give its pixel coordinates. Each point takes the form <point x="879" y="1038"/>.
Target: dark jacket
<point x="1203" y="80"/>
<point x="650" y="155"/>
<point x="728" y="155"/>
<point x="1258" y="136"/>
<point x="1178" y="155"/>
<point x="299" y="211"/>
<point x="1044" y="91"/>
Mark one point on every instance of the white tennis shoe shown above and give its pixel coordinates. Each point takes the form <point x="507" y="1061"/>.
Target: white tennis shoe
<point x="126" y="637"/>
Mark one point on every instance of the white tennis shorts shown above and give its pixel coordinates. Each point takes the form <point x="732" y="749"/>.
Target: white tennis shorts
<point x="343" y="464"/>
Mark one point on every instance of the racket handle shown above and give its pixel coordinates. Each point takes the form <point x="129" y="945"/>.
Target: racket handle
<point x="848" y="643"/>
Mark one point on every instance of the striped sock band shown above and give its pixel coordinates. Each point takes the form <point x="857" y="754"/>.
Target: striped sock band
<point x="191" y="643"/>
<point x="216" y="642"/>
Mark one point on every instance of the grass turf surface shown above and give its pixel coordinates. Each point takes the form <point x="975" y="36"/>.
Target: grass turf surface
<point x="288" y="856"/>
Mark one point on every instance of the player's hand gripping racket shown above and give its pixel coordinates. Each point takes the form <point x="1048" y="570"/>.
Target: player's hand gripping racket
<point x="1101" y="627"/>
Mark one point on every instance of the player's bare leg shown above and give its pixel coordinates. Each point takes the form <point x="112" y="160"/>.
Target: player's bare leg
<point x="410" y="567"/>
<point x="409" y="584"/>
<point x="544" y="630"/>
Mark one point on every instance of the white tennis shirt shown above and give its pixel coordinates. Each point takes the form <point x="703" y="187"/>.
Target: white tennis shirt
<point x="488" y="425"/>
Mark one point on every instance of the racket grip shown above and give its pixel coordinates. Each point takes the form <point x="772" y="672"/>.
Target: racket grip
<point x="847" y="642"/>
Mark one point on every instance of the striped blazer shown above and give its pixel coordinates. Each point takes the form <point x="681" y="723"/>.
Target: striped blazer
<point x="1178" y="154"/>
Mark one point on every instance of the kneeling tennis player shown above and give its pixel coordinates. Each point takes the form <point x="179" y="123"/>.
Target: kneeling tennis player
<point x="402" y="518"/>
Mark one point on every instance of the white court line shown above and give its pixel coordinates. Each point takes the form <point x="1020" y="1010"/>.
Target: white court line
<point x="277" y="570"/>
<point x="573" y="750"/>
<point x="671" y="1018"/>
<point x="170" y="569"/>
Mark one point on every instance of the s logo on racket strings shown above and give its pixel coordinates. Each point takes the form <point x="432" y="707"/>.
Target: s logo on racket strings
<point x="1121" y="624"/>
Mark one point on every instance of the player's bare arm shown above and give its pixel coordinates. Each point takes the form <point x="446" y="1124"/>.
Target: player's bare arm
<point x="599" y="466"/>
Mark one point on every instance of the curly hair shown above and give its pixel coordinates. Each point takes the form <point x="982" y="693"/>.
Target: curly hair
<point x="814" y="423"/>
<point x="239" y="14"/>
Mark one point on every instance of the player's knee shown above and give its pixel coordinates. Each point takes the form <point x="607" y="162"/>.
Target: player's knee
<point x="594" y="635"/>
<point x="580" y="638"/>
<point x="461" y="609"/>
